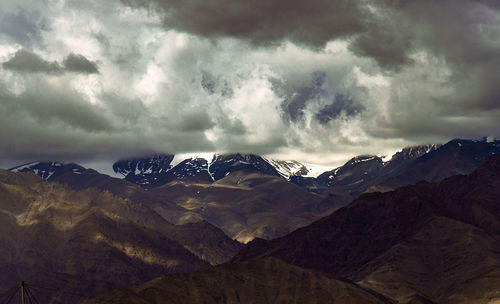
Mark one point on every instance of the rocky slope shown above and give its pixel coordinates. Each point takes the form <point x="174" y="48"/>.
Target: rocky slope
<point x="370" y="173"/>
<point x="78" y="241"/>
<point x="456" y="157"/>
<point x="244" y="202"/>
<point x="249" y="196"/>
<point x="247" y="205"/>
<point x="157" y="214"/>
<point x="434" y="241"/>
<point x="362" y="172"/>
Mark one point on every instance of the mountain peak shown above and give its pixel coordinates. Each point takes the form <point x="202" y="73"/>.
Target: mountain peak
<point x="48" y="170"/>
<point x="363" y="158"/>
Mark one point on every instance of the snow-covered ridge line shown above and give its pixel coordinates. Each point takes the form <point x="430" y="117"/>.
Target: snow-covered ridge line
<point x="360" y="159"/>
<point x="287" y="168"/>
<point x="316" y="170"/>
<point x="178" y="158"/>
<point x="24" y="166"/>
<point x="47" y="169"/>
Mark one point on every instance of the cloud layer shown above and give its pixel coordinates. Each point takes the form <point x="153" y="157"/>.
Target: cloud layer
<point x="317" y="81"/>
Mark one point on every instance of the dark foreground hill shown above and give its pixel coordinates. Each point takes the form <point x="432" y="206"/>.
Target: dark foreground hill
<point x="255" y="281"/>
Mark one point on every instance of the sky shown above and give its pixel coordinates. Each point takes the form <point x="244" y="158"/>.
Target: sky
<point x="317" y="81"/>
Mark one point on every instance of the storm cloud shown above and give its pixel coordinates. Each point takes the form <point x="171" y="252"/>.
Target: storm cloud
<point x="317" y="81"/>
<point x="312" y="23"/>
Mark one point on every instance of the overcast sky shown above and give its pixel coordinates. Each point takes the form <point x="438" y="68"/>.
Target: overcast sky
<point x="318" y="81"/>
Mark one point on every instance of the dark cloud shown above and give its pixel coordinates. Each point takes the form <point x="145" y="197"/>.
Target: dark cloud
<point x="316" y="97"/>
<point x="49" y="104"/>
<point x="342" y="104"/>
<point x="208" y="82"/>
<point x="214" y="85"/>
<point x="311" y="23"/>
<point x="195" y="121"/>
<point x="466" y="36"/>
<point x="128" y="111"/>
<point x="52" y="121"/>
<point x="232" y="127"/>
<point x="78" y="63"/>
<point x="463" y="35"/>
<point x="28" y="62"/>
<point x="389" y="48"/>
<point x="297" y="99"/>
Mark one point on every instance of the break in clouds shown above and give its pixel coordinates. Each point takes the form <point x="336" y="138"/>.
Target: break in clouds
<point x="316" y="81"/>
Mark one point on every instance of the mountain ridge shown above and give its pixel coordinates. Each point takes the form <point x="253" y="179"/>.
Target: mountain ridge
<point x="408" y="242"/>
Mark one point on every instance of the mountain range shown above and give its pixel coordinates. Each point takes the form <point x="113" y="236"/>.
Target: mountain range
<point x="439" y="241"/>
<point x="410" y="165"/>
<point x="423" y="243"/>
<point x="250" y="196"/>
<point x="419" y="227"/>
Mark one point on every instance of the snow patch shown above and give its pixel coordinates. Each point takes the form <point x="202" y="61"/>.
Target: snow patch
<point x="386" y="158"/>
<point x="317" y="170"/>
<point x="178" y="158"/>
<point x="50" y="174"/>
<point x="360" y="160"/>
<point x="491" y="139"/>
<point x="286" y="168"/>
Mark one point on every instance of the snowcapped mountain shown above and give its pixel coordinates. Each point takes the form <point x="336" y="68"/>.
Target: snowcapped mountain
<point x="354" y="177"/>
<point x="145" y="171"/>
<point x="192" y="169"/>
<point x="288" y="168"/>
<point x="458" y="156"/>
<point x="150" y="172"/>
<point x="225" y="164"/>
<point x="408" y="166"/>
<point x="157" y="170"/>
<point x="49" y="170"/>
<point x="355" y="171"/>
<point x="410" y="153"/>
<point x="363" y="171"/>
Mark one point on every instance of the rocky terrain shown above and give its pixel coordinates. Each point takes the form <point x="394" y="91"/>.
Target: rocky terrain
<point x="431" y="242"/>
<point x="245" y="202"/>
<point x="80" y="241"/>
<point x="247" y="205"/>
<point x="249" y="196"/>
<point x="255" y="281"/>
<point x="434" y="241"/>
